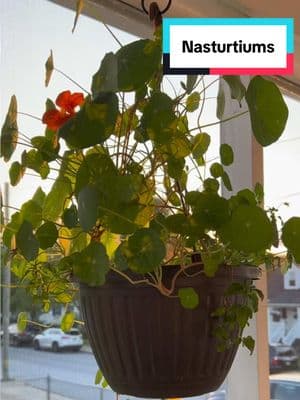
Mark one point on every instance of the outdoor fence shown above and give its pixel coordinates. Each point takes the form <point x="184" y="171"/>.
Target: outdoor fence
<point x="74" y="391"/>
<point x="69" y="390"/>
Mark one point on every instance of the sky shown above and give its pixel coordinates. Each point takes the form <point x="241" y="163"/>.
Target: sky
<point x="30" y="28"/>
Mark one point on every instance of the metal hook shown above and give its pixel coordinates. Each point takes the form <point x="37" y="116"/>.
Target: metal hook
<point x="161" y="12"/>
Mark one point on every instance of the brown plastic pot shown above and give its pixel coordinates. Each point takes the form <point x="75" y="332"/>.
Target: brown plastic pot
<point x="148" y="345"/>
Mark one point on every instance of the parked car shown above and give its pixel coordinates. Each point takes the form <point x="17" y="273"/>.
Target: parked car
<point x="285" y="390"/>
<point x="282" y="357"/>
<point x="55" y="339"/>
<point x="17" y="338"/>
<point x="218" y="395"/>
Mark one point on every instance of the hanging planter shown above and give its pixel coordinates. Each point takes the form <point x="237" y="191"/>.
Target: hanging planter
<point x="133" y="192"/>
<point x="148" y="345"/>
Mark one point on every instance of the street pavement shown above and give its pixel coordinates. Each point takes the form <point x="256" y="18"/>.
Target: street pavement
<point x="27" y="364"/>
<point x="71" y="376"/>
<point x="15" y="390"/>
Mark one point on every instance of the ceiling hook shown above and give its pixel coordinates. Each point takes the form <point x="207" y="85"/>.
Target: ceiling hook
<point x="161" y="12"/>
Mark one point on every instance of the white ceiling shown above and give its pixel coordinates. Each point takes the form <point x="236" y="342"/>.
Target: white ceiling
<point x="127" y="15"/>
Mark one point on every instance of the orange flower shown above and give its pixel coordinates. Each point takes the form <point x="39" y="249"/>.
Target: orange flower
<point x="67" y="102"/>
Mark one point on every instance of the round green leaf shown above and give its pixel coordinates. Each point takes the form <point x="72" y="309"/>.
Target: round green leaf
<point x="39" y="197"/>
<point x="201" y="143"/>
<point x="27" y="242"/>
<point x="291" y="236"/>
<point x="88" y="207"/>
<point x="175" y="167"/>
<point x="56" y="198"/>
<point x="177" y="223"/>
<point x="212" y="261"/>
<point x="216" y="170"/>
<point x="119" y="257"/>
<point x="48" y="147"/>
<point x="70" y="217"/>
<point x="67" y="321"/>
<point x="237" y="89"/>
<point x="157" y="117"/>
<point x="247" y="197"/>
<point x="188" y="297"/>
<point x="174" y="199"/>
<point x="32" y="212"/>
<point x="9" y="132"/>
<point x="146" y="251"/>
<point x="47" y="235"/>
<point x="211" y="185"/>
<point x="226" y="181"/>
<point x="93" y="124"/>
<point x="16" y="173"/>
<point x="11" y="229"/>
<point x="220" y="102"/>
<point x="137" y="62"/>
<point x="192" y="102"/>
<point x="22" y="321"/>
<point x="211" y="210"/>
<point x="92" y="264"/>
<point x="226" y="154"/>
<point x="268" y="110"/>
<point x="33" y="159"/>
<point x="106" y="78"/>
<point x="249" y="229"/>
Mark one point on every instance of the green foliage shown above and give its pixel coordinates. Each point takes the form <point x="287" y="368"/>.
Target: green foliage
<point x="27" y="242"/>
<point x="32" y="212"/>
<point x="47" y="147"/>
<point x="122" y="199"/>
<point x="70" y="217"/>
<point x="22" y="321"/>
<point x="201" y="143"/>
<point x="67" y="321"/>
<point x="33" y="159"/>
<point x="49" y="66"/>
<point x="98" y="377"/>
<point x="144" y="251"/>
<point x="291" y="236"/>
<point x="237" y="89"/>
<point x="56" y="199"/>
<point x="47" y="235"/>
<point x="268" y="110"/>
<point x="254" y="229"/>
<point x="9" y="132"/>
<point x="190" y="83"/>
<point x="226" y="154"/>
<point x="88" y="207"/>
<point x="232" y="317"/>
<point x="16" y="173"/>
<point x="188" y="297"/>
<point x="192" y="102"/>
<point x="91" y="264"/>
<point x="122" y="72"/>
<point x="220" y="103"/>
<point x="93" y="124"/>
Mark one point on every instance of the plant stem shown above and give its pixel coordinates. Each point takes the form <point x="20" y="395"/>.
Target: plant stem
<point x="72" y="80"/>
<point x="220" y="122"/>
<point x="29" y="115"/>
<point x="112" y="34"/>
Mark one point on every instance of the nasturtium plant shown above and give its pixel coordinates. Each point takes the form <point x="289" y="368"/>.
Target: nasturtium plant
<point x="135" y="190"/>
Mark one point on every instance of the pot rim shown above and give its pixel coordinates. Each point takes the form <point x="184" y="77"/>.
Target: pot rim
<point x="225" y="273"/>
